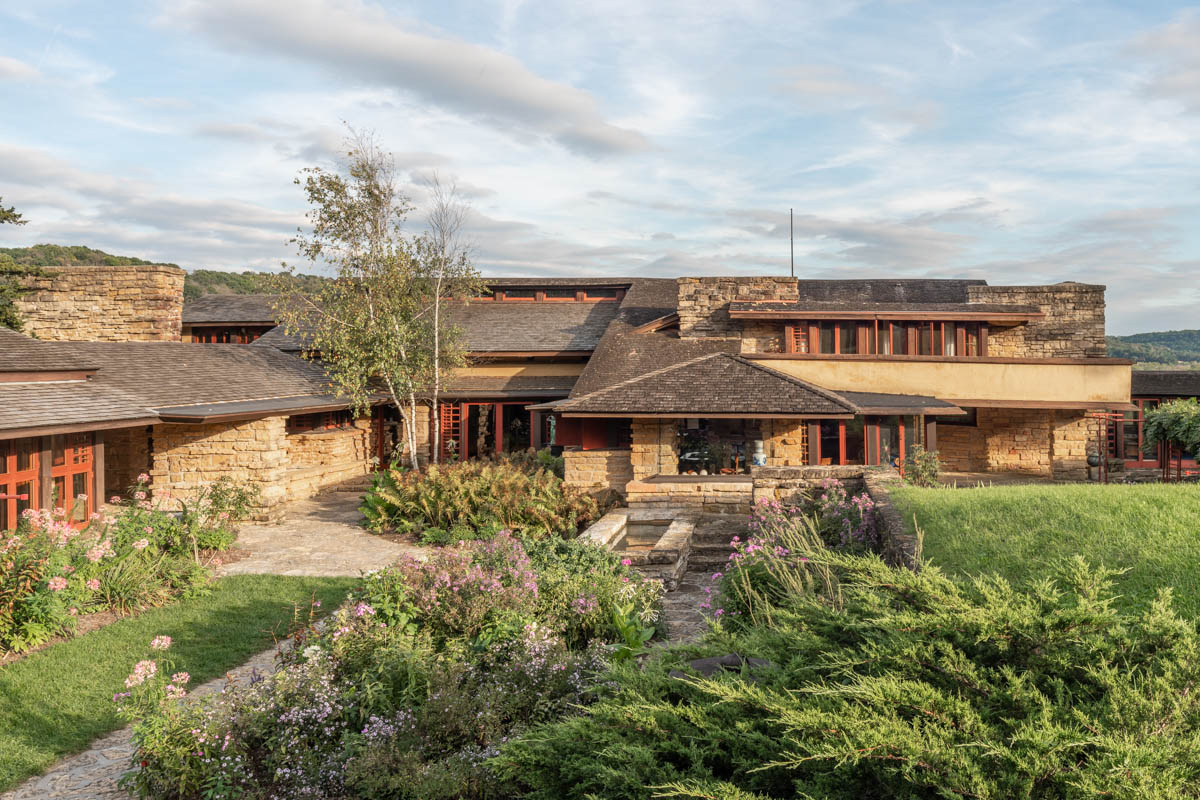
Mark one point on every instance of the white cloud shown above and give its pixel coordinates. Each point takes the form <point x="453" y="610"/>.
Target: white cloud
<point x="364" y="42"/>
<point x="12" y="69"/>
<point x="1174" y="48"/>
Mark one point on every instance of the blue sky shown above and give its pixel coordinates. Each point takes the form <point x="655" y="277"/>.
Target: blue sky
<point x="1020" y="142"/>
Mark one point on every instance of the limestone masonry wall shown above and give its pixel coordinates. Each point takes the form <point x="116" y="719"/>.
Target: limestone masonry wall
<point x="785" y="442"/>
<point x="794" y="485"/>
<point x="718" y="496"/>
<point x="105" y="304"/>
<point x="653" y="451"/>
<point x="324" y="458"/>
<point x="1072" y="328"/>
<point x="126" y="455"/>
<point x="1040" y="441"/>
<point x="704" y="302"/>
<point x="591" y="469"/>
<point x="189" y="457"/>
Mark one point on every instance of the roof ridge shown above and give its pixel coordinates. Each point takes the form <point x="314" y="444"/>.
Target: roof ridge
<point x="828" y="394"/>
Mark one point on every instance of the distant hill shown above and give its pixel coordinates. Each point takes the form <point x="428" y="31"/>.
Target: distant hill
<point x="59" y="255"/>
<point x="197" y="283"/>
<point x="1161" y="349"/>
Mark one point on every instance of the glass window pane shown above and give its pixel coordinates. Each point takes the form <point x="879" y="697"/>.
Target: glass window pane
<point x="899" y="340"/>
<point x="950" y="346"/>
<point x="926" y="340"/>
<point x="5" y="523"/>
<point x="25" y="451"/>
<point x="830" y="442"/>
<point x="885" y="339"/>
<point x="25" y="489"/>
<point x="826" y="336"/>
<point x="57" y="451"/>
<point x="4" y="458"/>
<point x="849" y="336"/>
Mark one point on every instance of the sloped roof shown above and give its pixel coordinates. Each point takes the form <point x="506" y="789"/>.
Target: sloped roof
<point x="230" y="309"/>
<point x="467" y="385"/>
<point x="44" y="405"/>
<point x="1166" y="382"/>
<point x="717" y="383"/>
<point x="20" y="353"/>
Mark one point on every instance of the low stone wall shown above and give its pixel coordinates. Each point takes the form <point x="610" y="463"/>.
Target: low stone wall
<point x="794" y="485"/>
<point x="592" y="469"/>
<point x="900" y="548"/>
<point x="324" y="458"/>
<point x="714" y="497"/>
<point x="105" y="304"/>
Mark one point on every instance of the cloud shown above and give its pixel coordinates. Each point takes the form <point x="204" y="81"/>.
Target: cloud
<point x="12" y="69"/>
<point x="825" y="81"/>
<point x="1175" y="50"/>
<point x="365" y="43"/>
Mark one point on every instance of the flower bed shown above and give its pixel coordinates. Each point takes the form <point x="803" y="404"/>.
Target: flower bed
<point x="425" y="673"/>
<point x="53" y="571"/>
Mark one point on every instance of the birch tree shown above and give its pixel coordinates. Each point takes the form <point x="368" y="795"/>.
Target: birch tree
<point x="367" y="324"/>
<point x="449" y="277"/>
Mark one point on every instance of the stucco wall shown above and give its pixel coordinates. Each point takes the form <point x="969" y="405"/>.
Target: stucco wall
<point x="105" y="304"/>
<point x="1073" y="325"/>
<point x="703" y="303"/>
<point x="590" y="469"/>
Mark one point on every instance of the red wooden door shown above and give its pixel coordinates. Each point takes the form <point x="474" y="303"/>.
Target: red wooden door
<point x="18" y="479"/>
<point x="72" y="474"/>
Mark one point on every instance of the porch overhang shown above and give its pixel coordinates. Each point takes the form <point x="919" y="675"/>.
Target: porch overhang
<point x="239" y="410"/>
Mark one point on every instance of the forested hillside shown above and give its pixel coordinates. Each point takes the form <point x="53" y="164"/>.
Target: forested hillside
<point x="197" y="283"/>
<point x="1161" y="348"/>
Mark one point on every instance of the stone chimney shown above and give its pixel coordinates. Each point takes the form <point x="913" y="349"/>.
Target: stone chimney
<point x="703" y="303"/>
<point x="105" y="304"/>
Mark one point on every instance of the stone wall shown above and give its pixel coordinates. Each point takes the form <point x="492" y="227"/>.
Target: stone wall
<point x="704" y="302"/>
<point x="785" y="442"/>
<point x="324" y="458"/>
<point x="1040" y="441"/>
<point x="126" y="455"/>
<point x="253" y="453"/>
<point x="716" y="496"/>
<point x="762" y="336"/>
<point x="654" y="450"/>
<point x="794" y="485"/>
<point x="1072" y="328"/>
<point x="105" y="304"/>
<point x="590" y="469"/>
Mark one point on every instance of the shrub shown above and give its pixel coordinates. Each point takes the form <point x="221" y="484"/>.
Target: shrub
<point x="1177" y="422"/>
<point x="888" y="683"/>
<point x="476" y="500"/>
<point x="847" y="523"/>
<point x="922" y="467"/>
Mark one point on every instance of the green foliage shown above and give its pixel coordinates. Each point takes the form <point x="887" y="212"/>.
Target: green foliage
<point x="1166" y="347"/>
<point x="476" y="499"/>
<point x="899" y="684"/>
<point x="58" y="255"/>
<point x="12" y="286"/>
<point x="1017" y="531"/>
<point x="10" y="216"/>
<point x="211" y="281"/>
<point x="531" y="461"/>
<point x="1176" y="422"/>
<point x="921" y="467"/>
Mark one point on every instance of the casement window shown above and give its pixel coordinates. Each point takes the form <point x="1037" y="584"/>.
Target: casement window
<point x="71" y="474"/>
<point x="18" y="480"/>
<point x="323" y="421"/>
<point x="886" y="338"/>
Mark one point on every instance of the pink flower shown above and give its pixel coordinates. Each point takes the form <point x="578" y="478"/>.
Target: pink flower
<point x="139" y="495"/>
<point x="73" y="611"/>
<point x="143" y="478"/>
<point x="141" y="544"/>
<point x="57" y="583"/>
<point x="160" y="642"/>
<point x="180" y="678"/>
<point x="93" y="584"/>
<point x="175" y="692"/>
<point x="625" y="562"/>
<point x="148" y="529"/>
<point x="141" y="671"/>
<point x="81" y="497"/>
<point x="114" y="499"/>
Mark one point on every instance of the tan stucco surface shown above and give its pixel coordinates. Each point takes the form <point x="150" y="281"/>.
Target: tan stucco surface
<point x="520" y="370"/>
<point x="963" y="380"/>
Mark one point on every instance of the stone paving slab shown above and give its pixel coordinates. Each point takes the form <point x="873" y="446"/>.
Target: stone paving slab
<point x="318" y="537"/>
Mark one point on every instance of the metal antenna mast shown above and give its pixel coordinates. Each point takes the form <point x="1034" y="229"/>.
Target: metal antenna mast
<point x="792" y="241"/>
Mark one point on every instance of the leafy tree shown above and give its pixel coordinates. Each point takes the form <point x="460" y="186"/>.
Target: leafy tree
<point x="447" y="274"/>
<point x="370" y="325"/>
<point x="1176" y="422"/>
<point x="211" y="281"/>
<point x="12" y="274"/>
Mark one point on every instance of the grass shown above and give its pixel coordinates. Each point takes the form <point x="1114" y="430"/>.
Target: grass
<point x="56" y="701"/>
<point x="1153" y="530"/>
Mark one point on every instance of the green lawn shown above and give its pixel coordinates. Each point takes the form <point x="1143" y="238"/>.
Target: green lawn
<point x="58" y="700"/>
<point x="1018" y="531"/>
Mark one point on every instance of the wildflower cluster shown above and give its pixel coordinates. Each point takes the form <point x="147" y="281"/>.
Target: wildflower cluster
<point x="847" y="522"/>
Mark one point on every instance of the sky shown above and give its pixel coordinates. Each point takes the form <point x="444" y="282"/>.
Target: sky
<point x="1018" y="142"/>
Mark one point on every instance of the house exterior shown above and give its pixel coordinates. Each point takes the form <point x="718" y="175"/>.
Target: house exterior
<point x="666" y="390"/>
<point x="1149" y="389"/>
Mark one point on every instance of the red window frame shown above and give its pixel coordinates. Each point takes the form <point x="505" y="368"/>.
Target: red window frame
<point x="73" y="474"/>
<point x="18" y="487"/>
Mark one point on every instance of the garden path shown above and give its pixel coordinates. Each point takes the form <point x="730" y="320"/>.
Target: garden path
<point x="318" y="537"/>
<point x="93" y="774"/>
